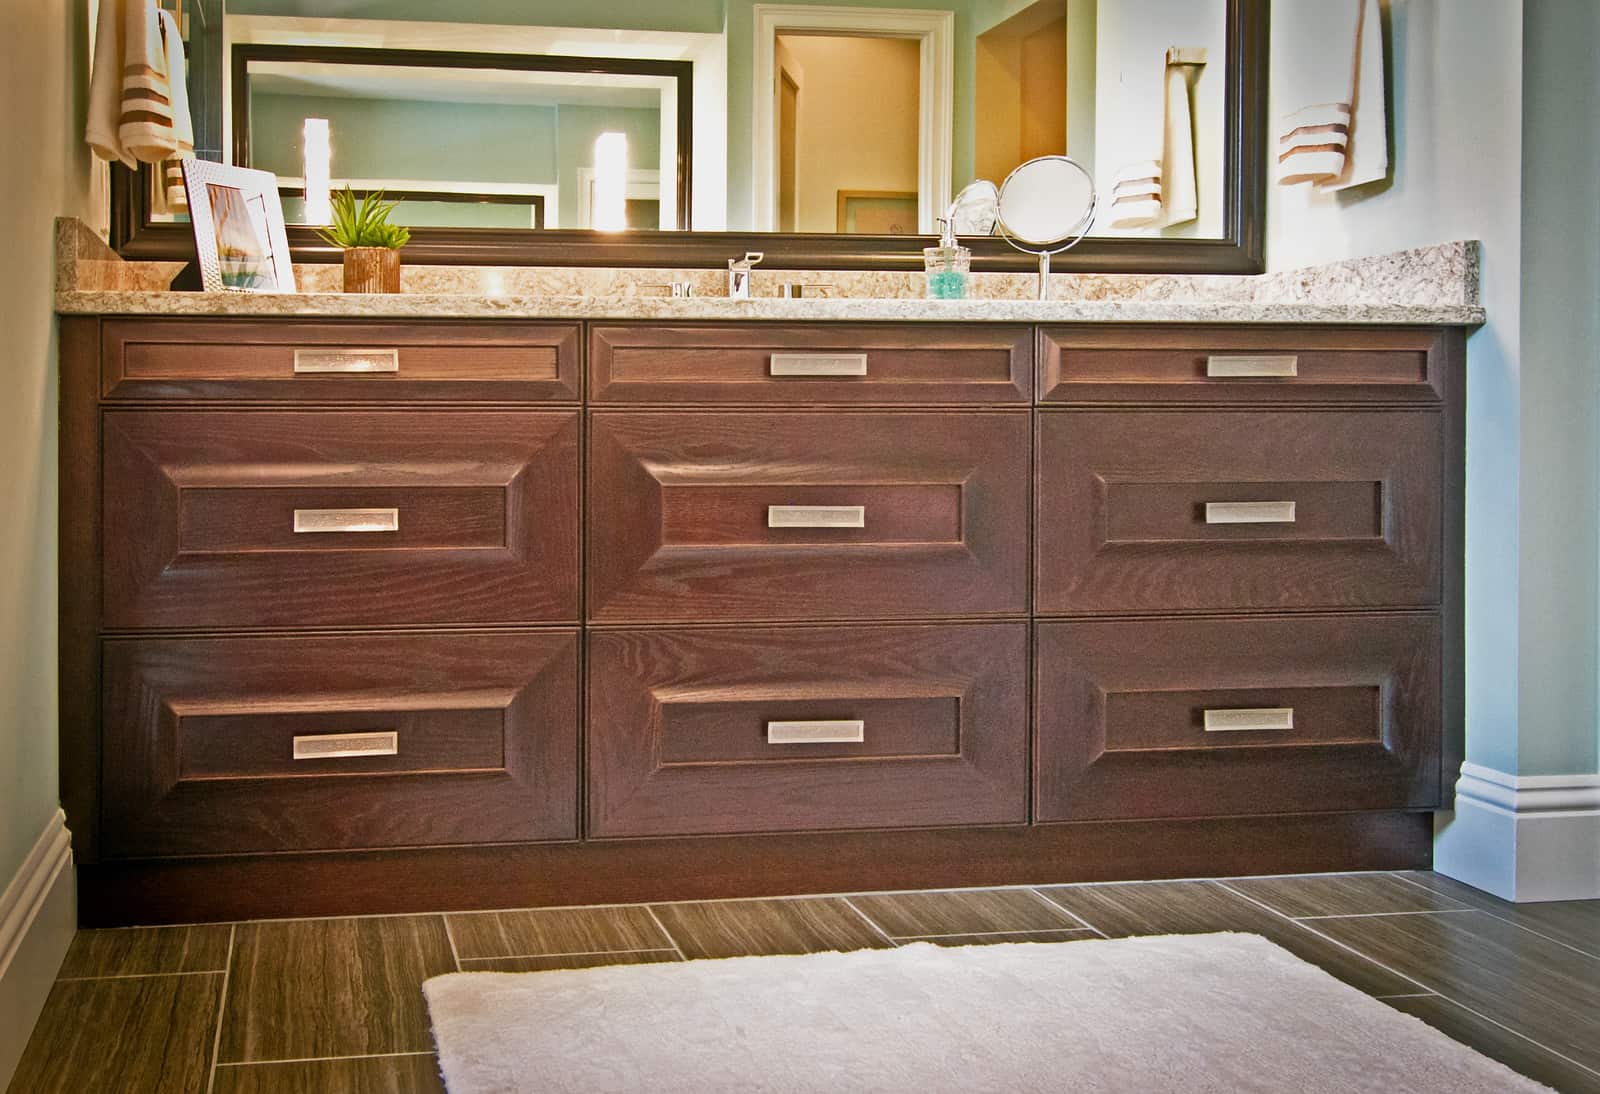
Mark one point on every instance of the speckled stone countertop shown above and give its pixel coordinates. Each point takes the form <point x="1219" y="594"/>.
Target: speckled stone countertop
<point x="1430" y="286"/>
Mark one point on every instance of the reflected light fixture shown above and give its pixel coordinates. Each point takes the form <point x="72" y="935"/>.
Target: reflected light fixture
<point x="319" y="158"/>
<point x="610" y="212"/>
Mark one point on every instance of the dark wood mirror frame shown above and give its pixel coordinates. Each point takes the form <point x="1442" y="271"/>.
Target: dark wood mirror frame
<point x="1239" y="250"/>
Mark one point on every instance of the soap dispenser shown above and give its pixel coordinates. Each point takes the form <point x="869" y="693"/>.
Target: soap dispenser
<point x="948" y="265"/>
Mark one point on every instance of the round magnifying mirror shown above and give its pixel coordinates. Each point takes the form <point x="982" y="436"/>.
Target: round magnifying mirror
<point x="976" y="209"/>
<point x="1046" y="206"/>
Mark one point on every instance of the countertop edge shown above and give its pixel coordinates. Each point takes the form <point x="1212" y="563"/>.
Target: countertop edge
<point x="621" y="309"/>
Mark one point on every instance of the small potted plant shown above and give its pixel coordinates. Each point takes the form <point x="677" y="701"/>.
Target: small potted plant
<point x="371" y="244"/>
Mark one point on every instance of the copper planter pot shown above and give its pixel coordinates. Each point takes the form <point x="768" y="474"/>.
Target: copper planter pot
<point x="372" y="269"/>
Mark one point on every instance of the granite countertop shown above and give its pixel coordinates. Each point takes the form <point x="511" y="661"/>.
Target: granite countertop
<point x="1426" y="286"/>
<point x="447" y="306"/>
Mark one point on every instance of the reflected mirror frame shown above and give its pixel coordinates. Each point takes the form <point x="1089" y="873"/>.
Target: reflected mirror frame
<point x="1239" y="250"/>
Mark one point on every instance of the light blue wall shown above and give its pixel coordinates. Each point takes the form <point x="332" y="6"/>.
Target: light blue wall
<point x="405" y="139"/>
<point x="580" y="125"/>
<point x="1560" y="534"/>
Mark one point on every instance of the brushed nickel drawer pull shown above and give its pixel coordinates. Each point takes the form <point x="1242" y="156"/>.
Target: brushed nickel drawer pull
<point x="346" y="520"/>
<point x="346" y="746"/>
<point x="1249" y="512"/>
<point x="816" y="516"/>
<point x="1243" y="368"/>
<point x="1227" y="721"/>
<point x="816" y="733"/>
<point x="346" y="360"/>
<point x="818" y="364"/>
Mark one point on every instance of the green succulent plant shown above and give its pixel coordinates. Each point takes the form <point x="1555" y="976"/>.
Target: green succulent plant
<point x="364" y="222"/>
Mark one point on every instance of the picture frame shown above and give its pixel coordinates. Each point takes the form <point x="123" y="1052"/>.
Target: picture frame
<point x="877" y="212"/>
<point x="239" y="234"/>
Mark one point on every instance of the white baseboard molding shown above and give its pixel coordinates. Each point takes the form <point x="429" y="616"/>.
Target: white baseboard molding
<point x="1522" y="837"/>
<point x="38" y="917"/>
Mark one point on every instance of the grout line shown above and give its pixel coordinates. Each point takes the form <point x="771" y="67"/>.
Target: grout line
<point x="1326" y="938"/>
<point x="1492" y="914"/>
<point x="993" y="934"/>
<point x="1060" y="907"/>
<point x="574" y="953"/>
<point x="323" y="1059"/>
<point x="138" y="975"/>
<point x="1493" y="1022"/>
<point x="1410" y="995"/>
<point x="1375" y="915"/>
<point x="1068" y="912"/>
<point x="848" y="903"/>
<point x="662" y="927"/>
<point x="455" y="955"/>
<point x="1020" y="887"/>
<point x="222" y="1014"/>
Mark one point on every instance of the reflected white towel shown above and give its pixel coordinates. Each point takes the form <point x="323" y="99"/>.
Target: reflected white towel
<point x="1338" y="134"/>
<point x="1179" y="193"/>
<point x="105" y="85"/>
<point x="1136" y="195"/>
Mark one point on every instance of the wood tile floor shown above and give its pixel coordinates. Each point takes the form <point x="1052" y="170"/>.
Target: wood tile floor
<point x="332" y="1006"/>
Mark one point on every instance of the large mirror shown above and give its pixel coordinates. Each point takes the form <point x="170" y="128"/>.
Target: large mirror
<point x="822" y="133"/>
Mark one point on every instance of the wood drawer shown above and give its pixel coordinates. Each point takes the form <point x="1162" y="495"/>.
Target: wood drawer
<point x="1349" y="709"/>
<point x="686" y="728"/>
<point x="201" y="737"/>
<point x="701" y="517"/>
<point x="1157" y="511"/>
<point x="337" y="361"/>
<point x="1241" y="364"/>
<point x="230" y="519"/>
<point x="811" y="363"/>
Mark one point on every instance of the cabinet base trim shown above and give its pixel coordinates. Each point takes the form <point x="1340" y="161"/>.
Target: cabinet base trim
<point x="633" y="871"/>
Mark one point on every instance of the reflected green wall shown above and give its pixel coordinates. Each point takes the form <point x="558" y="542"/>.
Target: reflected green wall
<point x="450" y="142"/>
<point x="688" y="16"/>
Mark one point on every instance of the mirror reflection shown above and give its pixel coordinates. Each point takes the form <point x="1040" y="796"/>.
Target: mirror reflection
<point x="717" y="115"/>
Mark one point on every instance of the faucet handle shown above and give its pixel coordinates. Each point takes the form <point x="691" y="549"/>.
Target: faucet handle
<point x="750" y="259"/>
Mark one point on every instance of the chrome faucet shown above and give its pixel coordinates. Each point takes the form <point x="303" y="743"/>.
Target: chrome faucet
<point x="739" y="272"/>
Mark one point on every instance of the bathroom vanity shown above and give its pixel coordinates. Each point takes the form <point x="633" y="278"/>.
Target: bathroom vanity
<point x="500" y="603"/>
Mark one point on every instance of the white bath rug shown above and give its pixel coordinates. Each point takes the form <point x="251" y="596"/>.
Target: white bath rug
<point x="1218" y="1013"/>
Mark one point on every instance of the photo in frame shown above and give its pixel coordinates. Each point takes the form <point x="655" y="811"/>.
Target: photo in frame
<point x="237" y="215"/>
<point x="877" y="212"/>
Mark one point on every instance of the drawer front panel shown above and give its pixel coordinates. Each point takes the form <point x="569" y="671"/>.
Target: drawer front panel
<point x="758" y="729"/>
<point x="279" y="518"/>
<point x="755" y="516"/>
<point x="1195" y="718"/>
<point x="814" y="363"/>
<point x="233" y="745"/>
<point x="334" y="361"/>
<point x="1240" y="365"/>
<point x="1150" y="511"/>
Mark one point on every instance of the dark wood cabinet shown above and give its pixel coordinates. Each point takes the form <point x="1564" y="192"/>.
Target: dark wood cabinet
<point x="1223" y="717"/>
<point x="339" y="518"/>
<point x="780" y="729"/>
<point x="1179" y="511"/>
<point x="731" y="516"/>
<point x="364" y="617"/>
<point x="810" y="364"/>
<point x="267" y="359"/>
<point x="227" y="745"/>
<point x="1243" y="365"/>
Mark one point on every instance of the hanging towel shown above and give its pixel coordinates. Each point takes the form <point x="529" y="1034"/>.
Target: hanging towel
<point x="1179" y="193"/>
<point x="1136" y="195"/>
<point x="151" y="129"/>
<point x="105" y="85"/>
<point x="1339" y="136"/>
